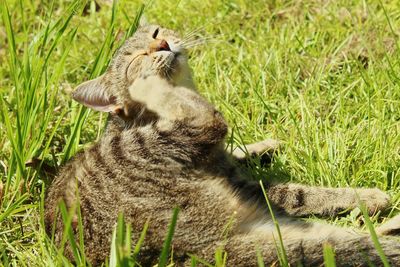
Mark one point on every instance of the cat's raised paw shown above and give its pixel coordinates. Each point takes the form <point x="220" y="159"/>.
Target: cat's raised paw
<point x="265" y="148"/>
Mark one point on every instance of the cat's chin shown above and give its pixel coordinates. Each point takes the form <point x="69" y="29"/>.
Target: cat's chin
<point x="175" y="62"/>
<point x="178" y="71"/>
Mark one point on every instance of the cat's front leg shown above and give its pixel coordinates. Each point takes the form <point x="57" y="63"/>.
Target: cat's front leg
<point x="301" y="200"/>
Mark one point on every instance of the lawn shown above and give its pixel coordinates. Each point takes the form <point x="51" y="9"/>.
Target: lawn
<point x="321" y="76"/>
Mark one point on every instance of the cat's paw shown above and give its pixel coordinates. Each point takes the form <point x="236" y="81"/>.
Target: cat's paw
<point x="374" y="199"/>
<point x="391" y="227"/>
<point x="265" y="147"/>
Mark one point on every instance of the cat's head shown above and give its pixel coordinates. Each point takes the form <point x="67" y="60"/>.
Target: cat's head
<point x="152" y="50"/>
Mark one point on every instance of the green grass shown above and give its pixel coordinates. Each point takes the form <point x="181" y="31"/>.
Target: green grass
<point x="322" y="76"/>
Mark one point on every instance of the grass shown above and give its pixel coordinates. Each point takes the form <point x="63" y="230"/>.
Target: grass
<point x="322" y="76"/>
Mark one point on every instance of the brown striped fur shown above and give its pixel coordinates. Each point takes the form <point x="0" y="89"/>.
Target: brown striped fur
<point x="163" y="147"/>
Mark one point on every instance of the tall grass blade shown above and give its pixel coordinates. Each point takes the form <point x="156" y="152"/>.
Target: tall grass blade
<point x="120" y="254"/>
<point x="68" y="234"/>
<point x="135" y="24"/>
<point x="260" y="260"/>
<point x="329" y="256"/>
<point x="139" y="243"/>
<point x="162" y="262"/>
<point x="281" y="248"/>
<point x="373" y="235"/>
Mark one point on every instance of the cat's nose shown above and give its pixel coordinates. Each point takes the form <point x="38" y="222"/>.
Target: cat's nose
<point x="159" y="45"/>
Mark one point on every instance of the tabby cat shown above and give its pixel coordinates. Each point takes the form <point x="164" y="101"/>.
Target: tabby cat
<point x="164" y="147"/>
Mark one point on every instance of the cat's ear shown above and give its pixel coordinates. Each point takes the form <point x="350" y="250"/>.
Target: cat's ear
<point x="94" y="94"/>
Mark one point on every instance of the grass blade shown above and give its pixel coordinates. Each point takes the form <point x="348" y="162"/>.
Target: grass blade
<point x="162" y="262"/>
<point x="373" y="234"/>
<point x="139" y="243"/>
<point x="329" y="256"/>
<point x="281" y="248"/>
<point x="260" y="260"/>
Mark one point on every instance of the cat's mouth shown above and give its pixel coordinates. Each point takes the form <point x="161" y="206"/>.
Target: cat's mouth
<point x="169" y="59"/>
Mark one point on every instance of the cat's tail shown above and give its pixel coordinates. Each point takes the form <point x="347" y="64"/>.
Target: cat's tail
<point x="391" y="227"/>
<point x="303" y="244"/>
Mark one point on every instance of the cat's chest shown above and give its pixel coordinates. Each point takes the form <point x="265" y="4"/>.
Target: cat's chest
<point x="133" y="163"/>
<point x="146" y="145"/>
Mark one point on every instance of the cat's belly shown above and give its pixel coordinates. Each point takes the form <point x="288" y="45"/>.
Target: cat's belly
<point x="205" y="201"/>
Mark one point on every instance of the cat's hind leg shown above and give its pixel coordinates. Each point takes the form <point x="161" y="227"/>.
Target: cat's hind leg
<point x="302" y="200"/>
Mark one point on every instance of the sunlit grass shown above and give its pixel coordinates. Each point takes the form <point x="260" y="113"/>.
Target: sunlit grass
<point x="322" y="76"/>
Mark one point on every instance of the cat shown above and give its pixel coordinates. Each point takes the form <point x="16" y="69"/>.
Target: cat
<point x="163" y="147"/>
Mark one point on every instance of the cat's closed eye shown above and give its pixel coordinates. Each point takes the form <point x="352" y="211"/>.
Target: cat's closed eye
<point x="155" y="33"/>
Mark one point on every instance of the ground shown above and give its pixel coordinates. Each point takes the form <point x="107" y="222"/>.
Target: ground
<point x="319" y="75"/>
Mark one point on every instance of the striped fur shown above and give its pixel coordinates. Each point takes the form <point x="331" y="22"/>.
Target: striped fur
<point x="162" y="148"/>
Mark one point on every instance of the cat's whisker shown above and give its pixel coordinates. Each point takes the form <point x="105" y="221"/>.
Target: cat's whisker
<point x="195" y="38"/>
<point x="197" y="30"/>
<point x="171" y="69"/>
<point x="190" y="39"/>
<point x="194" y="42"/>
<point x="201" y="42"/>
<point x="165" y="69"/>
<point x="198" y="41"/>
<point x="193" y="32"/>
